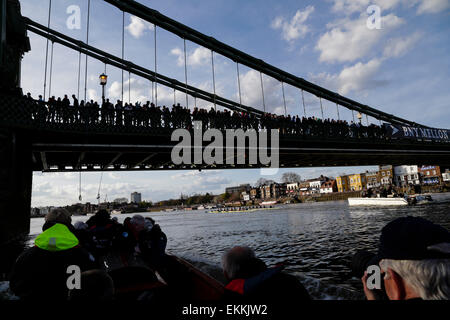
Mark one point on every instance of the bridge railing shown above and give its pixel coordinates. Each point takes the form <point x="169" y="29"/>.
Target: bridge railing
<point x="109" y="119"/>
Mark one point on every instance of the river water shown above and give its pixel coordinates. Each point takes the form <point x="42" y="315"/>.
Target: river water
<point x="315" y="241"/>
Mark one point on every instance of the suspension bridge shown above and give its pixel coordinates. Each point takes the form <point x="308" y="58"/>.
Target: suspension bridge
<point x="41" y="135"/>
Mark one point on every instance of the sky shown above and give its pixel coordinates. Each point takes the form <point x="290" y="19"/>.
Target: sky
<point x="402" y="68"/>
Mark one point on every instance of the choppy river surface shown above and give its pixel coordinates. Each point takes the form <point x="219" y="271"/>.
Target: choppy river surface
<point x="316" y="241"/>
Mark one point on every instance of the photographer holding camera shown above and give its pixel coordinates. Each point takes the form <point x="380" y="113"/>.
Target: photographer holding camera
<point x="414" y="256"/>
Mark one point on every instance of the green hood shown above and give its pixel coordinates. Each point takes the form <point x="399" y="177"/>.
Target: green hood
<point x="56" y="238"/>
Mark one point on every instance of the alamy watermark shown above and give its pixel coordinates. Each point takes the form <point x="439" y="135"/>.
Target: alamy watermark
<point x="374" y="19"/>
<point x="74" y="19"/>
<point x="74" y="278"/>
<point x="190" y="149"/>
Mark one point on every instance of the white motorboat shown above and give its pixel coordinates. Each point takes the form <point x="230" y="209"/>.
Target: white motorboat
<point x="268" y="203"/>
<point x="377" y="202"/>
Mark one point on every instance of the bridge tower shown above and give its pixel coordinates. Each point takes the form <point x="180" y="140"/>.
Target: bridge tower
<point x="15" y="147"/>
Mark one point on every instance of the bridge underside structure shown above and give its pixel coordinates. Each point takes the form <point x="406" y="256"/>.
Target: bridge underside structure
<point x="54" y="151"/>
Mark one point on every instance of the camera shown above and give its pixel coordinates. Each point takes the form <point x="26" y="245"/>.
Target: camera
<point x="361" y="260"/>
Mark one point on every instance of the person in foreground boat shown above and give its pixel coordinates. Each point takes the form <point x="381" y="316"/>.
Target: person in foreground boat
<point x="40" y="272"/>
<point x="250" y="279"/>
<point x="414" y="256"/>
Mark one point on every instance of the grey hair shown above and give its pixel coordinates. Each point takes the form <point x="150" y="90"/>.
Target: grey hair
<point x="232" y="259"/>
<point x="137" y="219"/>
<point x="430" y="278"/>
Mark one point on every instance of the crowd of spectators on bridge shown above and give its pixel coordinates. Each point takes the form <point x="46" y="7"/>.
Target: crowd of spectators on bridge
<point x="63" y="110"/>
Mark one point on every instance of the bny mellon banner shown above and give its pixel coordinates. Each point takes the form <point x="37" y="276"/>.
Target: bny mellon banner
<point x="398" y="131"/>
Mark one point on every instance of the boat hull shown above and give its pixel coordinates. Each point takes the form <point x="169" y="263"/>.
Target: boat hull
<point x="377" y="202"/>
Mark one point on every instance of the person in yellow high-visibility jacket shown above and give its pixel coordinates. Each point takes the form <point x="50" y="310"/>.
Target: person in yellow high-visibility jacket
<point x="41" y="272"/>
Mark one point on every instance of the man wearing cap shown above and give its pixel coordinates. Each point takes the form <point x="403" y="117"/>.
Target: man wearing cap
<point x="41" y="272"/>
<point x="414" y="255"/>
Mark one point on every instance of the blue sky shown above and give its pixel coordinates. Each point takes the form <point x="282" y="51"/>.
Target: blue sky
<point x="402" y="68"/>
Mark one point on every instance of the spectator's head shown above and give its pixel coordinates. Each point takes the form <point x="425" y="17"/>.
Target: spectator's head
<point x="58" y="215"/>
<point x="415" y="257"/>
<point x="240" y="262"/>
<point x="137" y="224"/>
<point x="102" y="217"/>
<point x="80" y="225"/>
<point x="95" y="285"/>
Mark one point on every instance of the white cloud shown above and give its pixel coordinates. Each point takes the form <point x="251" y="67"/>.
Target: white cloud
<point x="399" y="46"/>
<point x="92" y="94"/>
<point x="357" y="78"/>
<point x="180" y="56"/>
<point x="141" y="90"/>
<point x="350" y="40"/>
<point x="352" y="6"/>
<point x="252" y="94"/>
<point x="294" y="28"/>
<point x="137" y="27"/>
<point x="349" y="7"/>
<point x="433" y="6"/>
<point x="199" y="57"/>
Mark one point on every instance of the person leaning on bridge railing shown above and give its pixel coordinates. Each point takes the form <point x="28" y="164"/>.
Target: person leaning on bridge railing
<point x="151" y="116"/>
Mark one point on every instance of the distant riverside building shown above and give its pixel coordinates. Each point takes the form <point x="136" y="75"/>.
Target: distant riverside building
<point x="265" y="192"/>
<point x="278" y="189"/>
<point x="314" y="186"/>
<point x="273" y="190"/>
<point x="292" y="188"/>
<point x="446" y="177"/>
<point x="373" y="179"/>
<point x="328" y="186"/>
<point x="304" y="188"/>
<point x="136" y="197"/>
<point x="406" y="175"/>
<point x="121" y="200"/>
<point x="343" y="184"/>
<point x="430" y="175"/>
<point x="255" y="193"/>
<point x="245" y="196"/>
<point x="239" y="189"/>
<point x="357" y="182"/>
<point x="386" y="175"/>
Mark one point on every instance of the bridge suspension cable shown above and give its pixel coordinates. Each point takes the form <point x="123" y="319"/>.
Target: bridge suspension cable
<point x="51" y="72"/>
<point x="123" y="45"/>
<point x="153" y="16"/>
<point x="321" y="107"/>
<point x="108" y="58"/>
<point x="262" y="90"/>
<point x="156" y="70"/>
<point x="214" y="79"/>
<point x="303" y="100"/>
<point x="46" y="50"/>
<point x="284" y="98"/>
<point x="239" y="84"/>
<point x="79" y="186"/>
<point x="87" y="42"/>
<point x="337" y="109"/>
<point x="185" y="73"/>
<point x="79" y="75"/>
